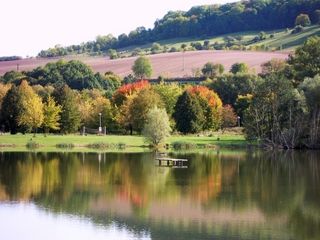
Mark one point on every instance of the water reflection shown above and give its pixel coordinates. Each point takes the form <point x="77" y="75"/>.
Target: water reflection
<point x="221" y="195"/>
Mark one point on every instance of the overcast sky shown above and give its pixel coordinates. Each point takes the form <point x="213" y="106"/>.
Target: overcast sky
<point x="28" y="26"/>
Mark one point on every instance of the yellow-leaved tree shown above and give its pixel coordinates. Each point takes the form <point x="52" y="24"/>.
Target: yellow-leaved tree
<point x="51" y="111"/>
<point x="31" y="108"/>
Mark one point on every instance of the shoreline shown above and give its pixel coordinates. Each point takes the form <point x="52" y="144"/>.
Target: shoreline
<point x="121" y="143"/>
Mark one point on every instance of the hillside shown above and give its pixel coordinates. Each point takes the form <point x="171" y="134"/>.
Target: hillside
<point x="177" y="64"/>
<point x="282" y="39"/>
<point x="170" y="64"/>
<point x="203" y="21"/>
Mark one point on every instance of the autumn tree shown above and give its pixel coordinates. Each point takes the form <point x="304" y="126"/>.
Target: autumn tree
<point x="157" y="126"/>
<point x="101" y="105"/>
<point x="142" y="68"/>
<point x="31" y="108"/>
<point x="122" y="93"/>
<point x="141" y="104"/>
<point x="4" y="88"/>
<point x="51" y="112"/>
<point x="211" y="105"/>
<point x="229" y="117"/>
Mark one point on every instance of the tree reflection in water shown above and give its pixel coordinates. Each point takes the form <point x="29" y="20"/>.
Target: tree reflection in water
<point x="222" y="194"/>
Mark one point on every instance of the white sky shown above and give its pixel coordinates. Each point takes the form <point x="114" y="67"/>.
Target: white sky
<point x="28" y="26"/>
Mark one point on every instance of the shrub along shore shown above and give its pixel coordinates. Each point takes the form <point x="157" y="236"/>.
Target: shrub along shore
<point x="118" y="142"/>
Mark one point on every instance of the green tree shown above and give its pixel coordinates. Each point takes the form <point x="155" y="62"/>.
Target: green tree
<point x="10" y="110"/>
<point x="188" y="114"/>
<point x="306" y="61"/>
<point x="70" y="115"/>
<point x="157" y="126"/>
<point x="242" y="104"/>
<point x="75" y="74"/>
<point x="302" y="20"/>
<point x="229" y="86"/>
<point x="274" y="66"/>
<point x="156" y="47"/>
<point x="51" y="115"/>
<point x="140" y="106"/>
<point x="169" y="94"/>
<point x="142" y="68"/>
<point x="239" y="68"/>
<point x="311" y="90"/>
<point x="13" y="77"/>
<point x="110" y="83"/>
<point x="276" y="113"/>
<point x="212" y="70"/>
<point x="113" y="54"/>
<point x="31" y="112"/>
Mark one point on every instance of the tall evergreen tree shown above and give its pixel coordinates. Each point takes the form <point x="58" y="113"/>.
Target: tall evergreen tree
<point x="10" y="110"/>
<point x="188" y="114"/>
<point x="70" y="115"/>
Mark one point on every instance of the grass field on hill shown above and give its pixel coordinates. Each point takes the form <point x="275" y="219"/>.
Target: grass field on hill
<point x="282" y="39"/>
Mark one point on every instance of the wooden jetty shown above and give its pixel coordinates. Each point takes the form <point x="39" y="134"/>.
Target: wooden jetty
<point x="171" y="162"/>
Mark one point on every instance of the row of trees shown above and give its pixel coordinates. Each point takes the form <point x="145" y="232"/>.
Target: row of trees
<point x="208" y="20"/>
<point x="26" y="108"/>
<point x="283" y="109"/>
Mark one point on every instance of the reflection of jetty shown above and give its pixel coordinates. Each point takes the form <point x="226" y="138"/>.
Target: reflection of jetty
<point x="171" y="162"/>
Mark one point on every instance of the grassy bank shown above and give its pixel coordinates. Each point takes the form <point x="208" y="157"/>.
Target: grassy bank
<point x="77" y="141"/>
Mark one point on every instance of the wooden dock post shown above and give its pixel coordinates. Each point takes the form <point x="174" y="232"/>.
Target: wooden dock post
<point x="171" y="162"/>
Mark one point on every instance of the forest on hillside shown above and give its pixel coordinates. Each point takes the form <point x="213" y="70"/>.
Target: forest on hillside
<point x="203" y="21"/>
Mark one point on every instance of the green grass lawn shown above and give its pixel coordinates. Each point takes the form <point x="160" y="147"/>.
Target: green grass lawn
<point x="50" y="141"/>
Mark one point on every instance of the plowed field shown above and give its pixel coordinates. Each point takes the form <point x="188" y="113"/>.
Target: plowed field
<point x="167" y="64"/>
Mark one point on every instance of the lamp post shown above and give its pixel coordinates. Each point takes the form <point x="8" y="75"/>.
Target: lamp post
<point x="100" y="128"/>
<point x="238" y="121"/>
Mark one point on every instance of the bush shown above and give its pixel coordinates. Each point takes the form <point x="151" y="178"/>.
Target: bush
<point x="121" y="146"/>
<point x="65" y="145"/>
<point x="183" y="145"/>
<point x="32" y="145"/>
<point x="102" y="145"/>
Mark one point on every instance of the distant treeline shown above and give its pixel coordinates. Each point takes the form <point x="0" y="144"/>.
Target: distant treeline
<point x="10" y="58"/>
<point x="203" y="21"/>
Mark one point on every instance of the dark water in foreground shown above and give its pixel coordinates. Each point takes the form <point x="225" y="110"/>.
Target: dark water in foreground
<point x="222" y="195"/>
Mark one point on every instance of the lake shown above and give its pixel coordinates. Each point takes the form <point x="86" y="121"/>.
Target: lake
<point x="221" y="195"/>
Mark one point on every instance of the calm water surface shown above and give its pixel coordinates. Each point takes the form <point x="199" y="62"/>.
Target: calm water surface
<point x="221" y="195"/>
